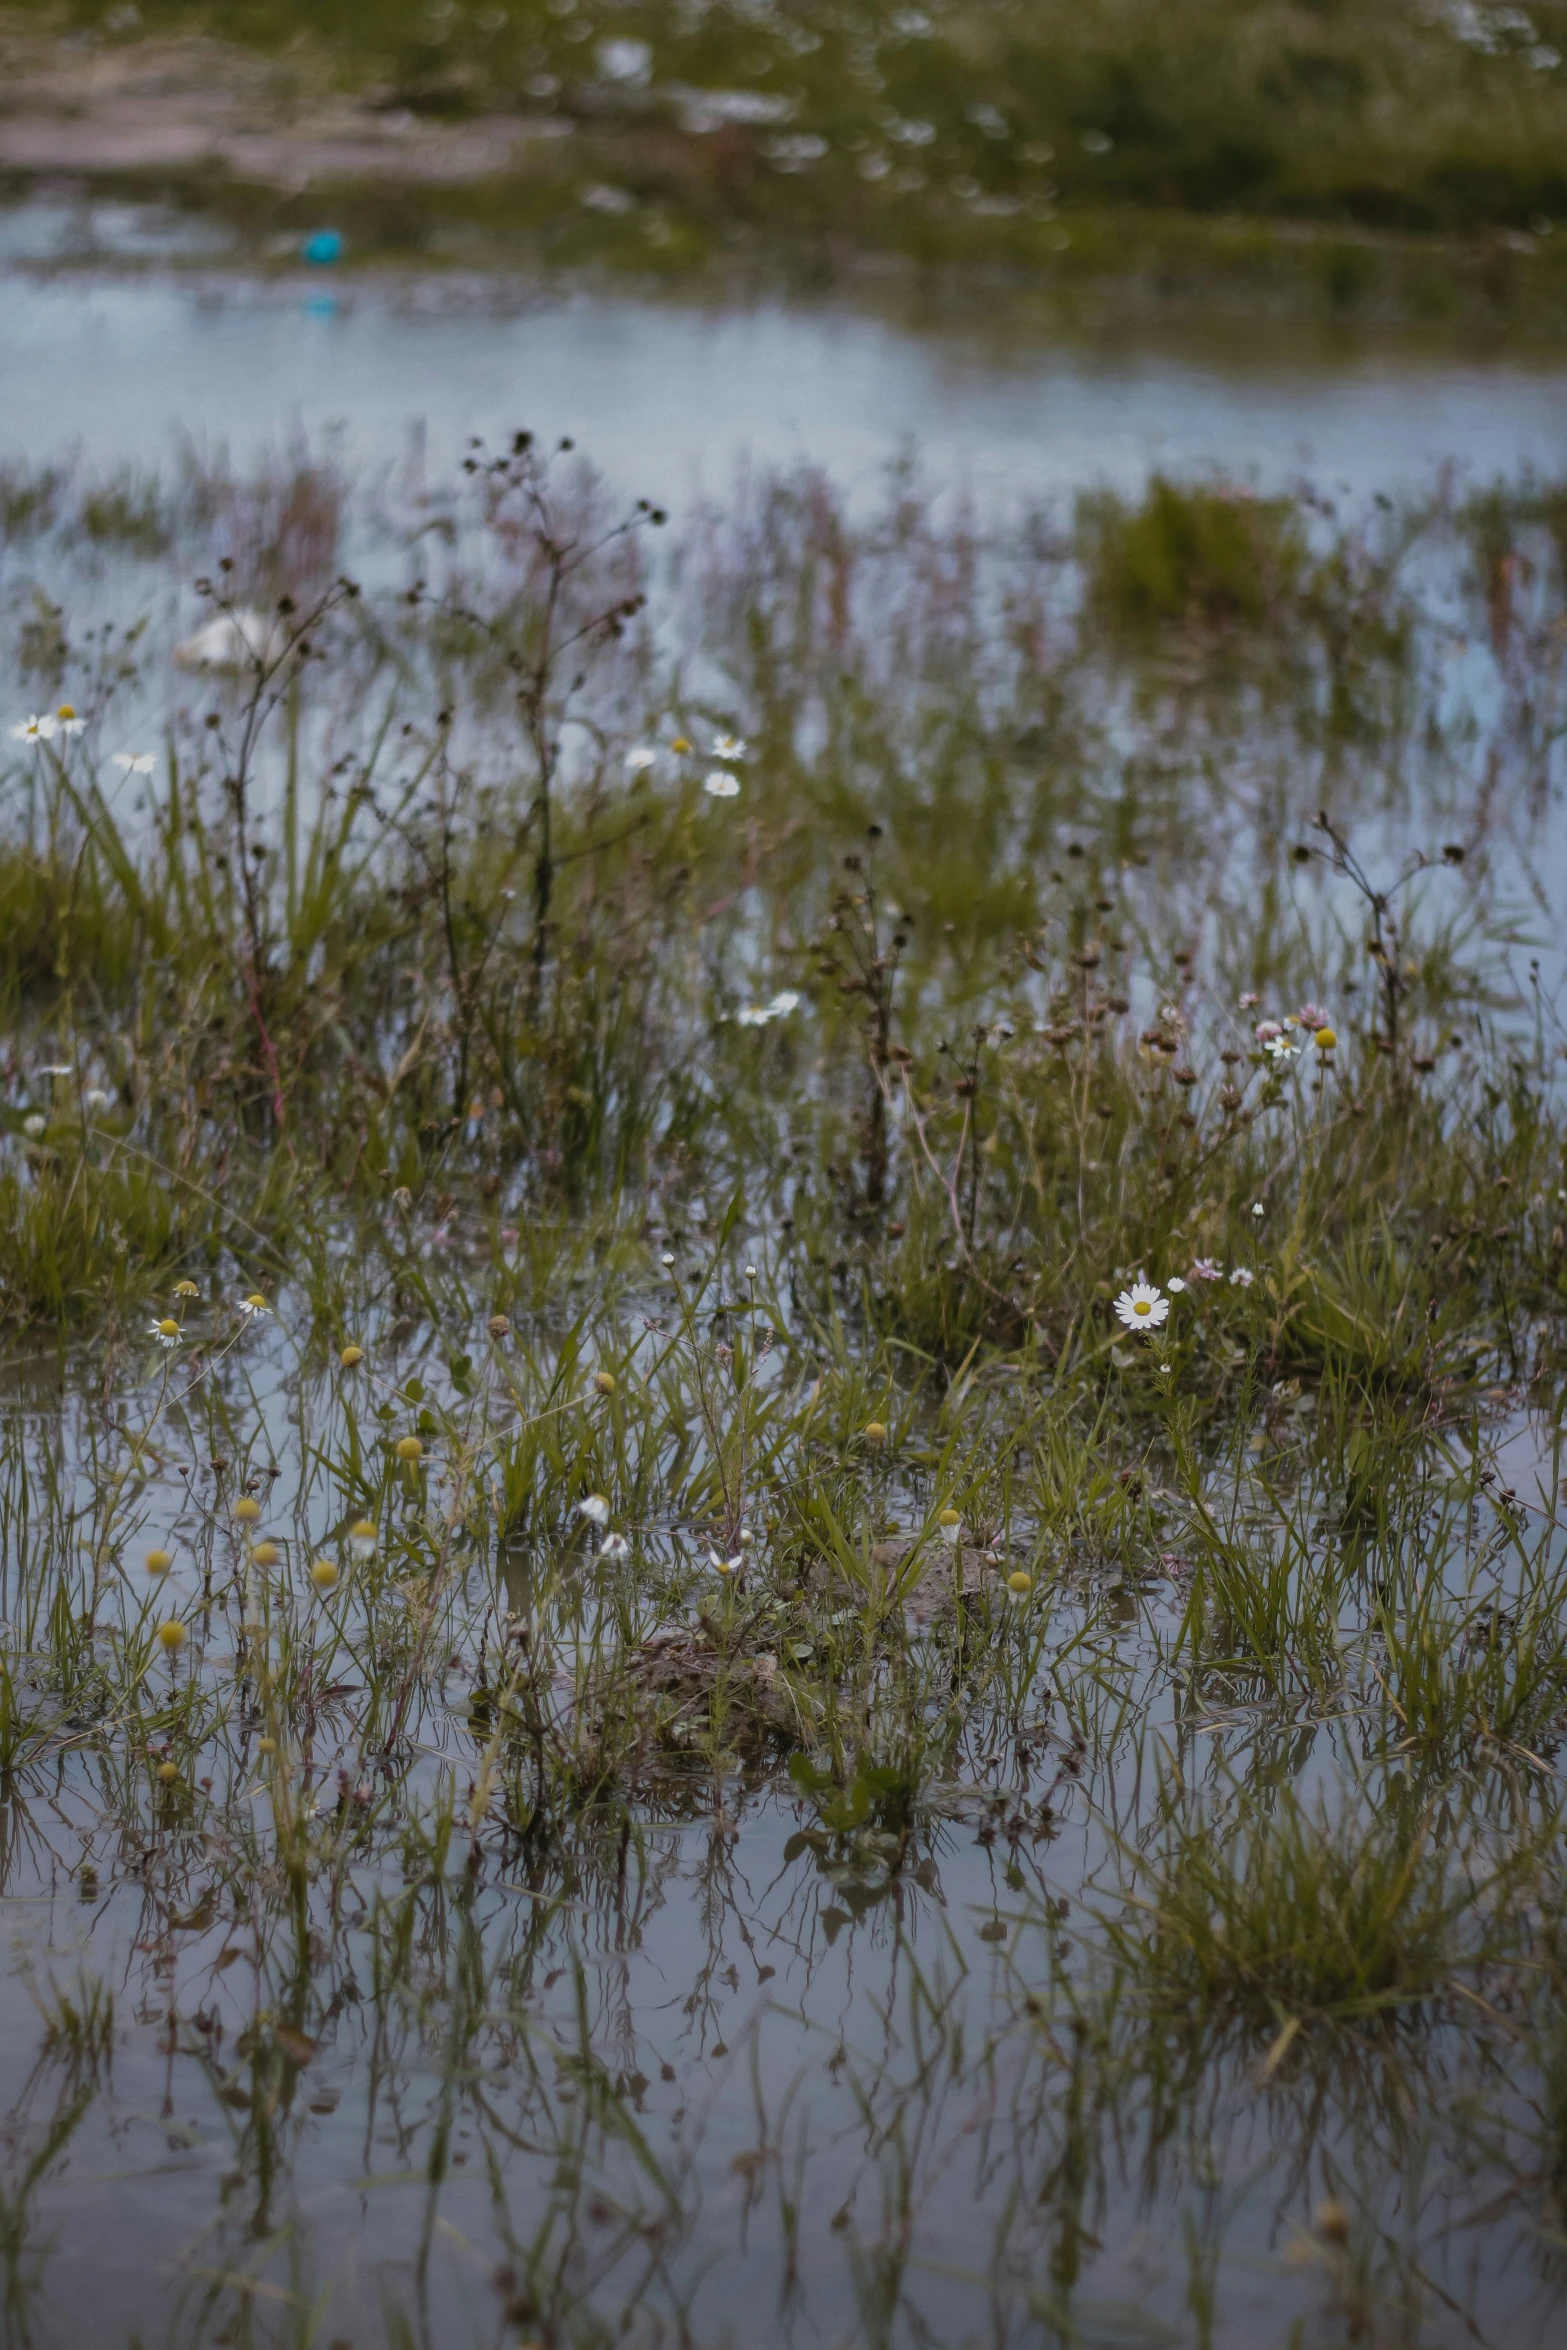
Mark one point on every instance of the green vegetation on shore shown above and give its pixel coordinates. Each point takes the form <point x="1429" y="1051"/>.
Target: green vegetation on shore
<point x="1404" y="161"/>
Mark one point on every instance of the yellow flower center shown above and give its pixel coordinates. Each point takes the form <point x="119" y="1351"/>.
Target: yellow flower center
<point x="1140" y="1305"/>
<point x="168" y="1329"/>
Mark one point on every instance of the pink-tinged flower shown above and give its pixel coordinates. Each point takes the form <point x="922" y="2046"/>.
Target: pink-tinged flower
<point x="1250" y="1001"/>
<point x="1312" y="1016"/>
<point x="1207" y="1269"/>
<point x="1268" y="1031"/>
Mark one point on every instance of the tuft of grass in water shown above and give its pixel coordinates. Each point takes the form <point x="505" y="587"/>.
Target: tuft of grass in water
<point x="1300" y="1913"/>
<point x="1193" y="552"/>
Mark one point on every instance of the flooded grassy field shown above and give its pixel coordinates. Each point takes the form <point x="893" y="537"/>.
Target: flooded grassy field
<point x="784" y="1303"/>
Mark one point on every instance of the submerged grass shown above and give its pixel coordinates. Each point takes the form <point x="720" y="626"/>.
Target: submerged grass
<point x="609" y="1605"/>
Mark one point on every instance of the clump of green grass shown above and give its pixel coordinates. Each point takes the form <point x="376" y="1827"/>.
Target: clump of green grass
<point x="1296" y="1915"/>
<point x="1210" y="554"/>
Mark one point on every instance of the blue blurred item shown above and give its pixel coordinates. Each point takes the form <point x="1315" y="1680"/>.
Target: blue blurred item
<point x="322" y="247"/>
<point x="321" y="305"/>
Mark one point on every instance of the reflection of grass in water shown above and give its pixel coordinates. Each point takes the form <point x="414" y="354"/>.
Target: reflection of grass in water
<point x="902" y="1557"/>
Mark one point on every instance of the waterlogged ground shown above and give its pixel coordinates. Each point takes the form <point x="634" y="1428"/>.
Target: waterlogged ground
<point x="634" y="1705"/>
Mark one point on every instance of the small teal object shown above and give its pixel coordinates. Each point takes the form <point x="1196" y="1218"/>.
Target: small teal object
<point x="322" y="247"/>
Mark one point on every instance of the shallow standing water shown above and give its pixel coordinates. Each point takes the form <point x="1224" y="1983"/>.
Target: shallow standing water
<point x="806" y="2122"/>
<point x="669" y="393"/>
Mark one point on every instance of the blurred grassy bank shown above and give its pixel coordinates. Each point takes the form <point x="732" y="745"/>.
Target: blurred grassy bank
<point x="1404" y="162"/>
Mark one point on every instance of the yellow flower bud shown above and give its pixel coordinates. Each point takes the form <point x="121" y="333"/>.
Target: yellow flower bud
<point x="159" y="1561"/>
<point x="324" y="1574"/>
<point x="266" y="1554"/>
<point x="875" y="1432"/>
<point x="1324" y="1039"/>
<point x="605" y="1382"/>
<point x="1019" y="1584"/>
<point x="247" y="1509"/>
<point x="408" y="1448"/>
<point x="168" y="1772"/>
<point x="172" y="1635"/>
<point x="186" y="1289"/>
<point x="949" y="1518"/>
<point x="351" y="1356"/>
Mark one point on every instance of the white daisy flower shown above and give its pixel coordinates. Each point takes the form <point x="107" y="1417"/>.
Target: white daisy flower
<point x="67" y="722"/>
<point x="134" y="762"/>
<point x="1175" y="1285"/>
<point x="614" y="1546"/>
<point x="1278" y="1050"/>
<point x="595" y="1509"/>
<point x="254" y="1304"/>
<point x="726" y="1566"/>
<point x="1242" y="1277"/>
<point x="37" y="729"/>
<point x="641" y="759"/>
<point x="777" y="1007"/>
<point x="728" y="746"/>
<point x="721" y="785"/>
<point x="166" y="1332"/>
<point x="1142" y="1307"/>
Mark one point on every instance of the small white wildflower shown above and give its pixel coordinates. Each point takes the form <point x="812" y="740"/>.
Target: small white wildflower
<point x="1142" y="1307"/>
<point x="1175" y="1285"/>
<point x="34" y="1124"/>
<point x="67" y="722"/>
<point x="614" y="1546"/>
<point x="1258" y="1209"/>
<point x="728" y="746"/>
<point x="641" y="759"/>
<point x="134" y="762"/>
<point x="777" y="1007"/>
<point x="96" y="1098"/>
<point x="721" y="785"/>
<point x="254" y="1304"/>
<point x="37" y="729"/>
<point x="1242" y="1277"/>
<point x="667" y="1258"/>
<point x="166" y="1332"/>
<point x="595" y="1509"/>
